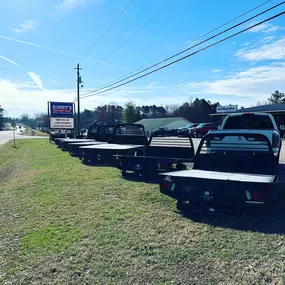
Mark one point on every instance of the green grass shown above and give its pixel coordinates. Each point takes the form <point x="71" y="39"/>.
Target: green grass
<point x="62" y="222"/>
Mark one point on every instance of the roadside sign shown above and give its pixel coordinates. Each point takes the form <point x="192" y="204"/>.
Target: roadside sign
<point x="61" y="109"/>
<point x="61" y="123"/>
<point x="227" y="109"/>
<point x="61" y="115"/>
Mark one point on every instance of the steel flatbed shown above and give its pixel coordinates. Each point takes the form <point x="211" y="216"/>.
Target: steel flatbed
<point x="162" y="154"/>
<point x="225" y="181"/>
<point x="74" y="148"/>
<point x="112" y="146"/>
<point x="128" y="139"/>
<point x="225" y="176"/>
<point x="63" y="144"/>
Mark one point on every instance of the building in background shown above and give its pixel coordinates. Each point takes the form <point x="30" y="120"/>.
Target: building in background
<point x="170" y="123"/>
<point x="276" y="110"/>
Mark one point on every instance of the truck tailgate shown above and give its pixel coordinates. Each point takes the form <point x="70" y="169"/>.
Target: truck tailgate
<point x="209" y="188"/>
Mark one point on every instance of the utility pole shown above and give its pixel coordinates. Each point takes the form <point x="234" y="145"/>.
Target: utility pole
<point x="79" y="81"/>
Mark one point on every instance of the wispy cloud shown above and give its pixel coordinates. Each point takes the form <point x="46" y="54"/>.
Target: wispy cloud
<point x="67" y="5"/>
<point x="24" y="27"/>
<point x="150" y="86"/>
<point x="53" y="81"/>
<point x="9" y="60"/>
<point x="60" y="51"/>
<point x="216" y="70"/>
<point x="265" y="28"/>
<point x="272" y="51"/>
<point x="256" y="82"/>
<point x="37" y="79"/>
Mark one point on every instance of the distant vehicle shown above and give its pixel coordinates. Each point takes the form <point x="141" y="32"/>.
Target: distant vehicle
<point x="249" y="123"/>
<point x="184" y="132"/>
<point x="202" y="129"/>
<point x="163" y="132"/>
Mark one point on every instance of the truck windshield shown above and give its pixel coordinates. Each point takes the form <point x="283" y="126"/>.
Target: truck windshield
<point x="250" y="122"/>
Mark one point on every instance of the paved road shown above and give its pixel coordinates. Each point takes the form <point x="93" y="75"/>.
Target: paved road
<point x="6" y="136"/>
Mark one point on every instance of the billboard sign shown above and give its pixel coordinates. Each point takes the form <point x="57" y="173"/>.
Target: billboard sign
<point x="61" y="123"/>
<point x="61" y="109"/>
<point x="227" y="109"/>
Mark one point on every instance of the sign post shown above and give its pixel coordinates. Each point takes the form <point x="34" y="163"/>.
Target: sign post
<point x="13" y="124"/>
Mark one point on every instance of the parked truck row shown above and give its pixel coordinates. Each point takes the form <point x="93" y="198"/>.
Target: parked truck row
<point x="234" y="167"/>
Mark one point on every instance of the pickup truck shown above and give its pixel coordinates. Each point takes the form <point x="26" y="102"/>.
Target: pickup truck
<point x="247" y="123"/>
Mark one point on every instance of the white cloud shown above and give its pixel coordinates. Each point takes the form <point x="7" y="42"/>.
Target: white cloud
<point x="37" y="79"/>
<point x="216" y="70"/>
<point x="264" y="28"/>
<point x="9" y="60"/>
<point x="25" y="27"/>
<point x="272" y="51"/>
<point x="53" y="81"/>
<point x="256" y="83"/>
<point x="67" y="5"/>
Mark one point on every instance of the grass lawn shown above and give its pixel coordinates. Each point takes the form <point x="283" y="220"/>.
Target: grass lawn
<point x="62" y="222"/>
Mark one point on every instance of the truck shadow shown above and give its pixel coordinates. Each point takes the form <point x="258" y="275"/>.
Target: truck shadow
<point x="269" y="221"/>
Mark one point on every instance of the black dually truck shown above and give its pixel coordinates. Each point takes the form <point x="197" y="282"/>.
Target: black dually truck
<point x="227" y="180"/>
<point x="162" y="154"/>
<point x="127" y="139"/>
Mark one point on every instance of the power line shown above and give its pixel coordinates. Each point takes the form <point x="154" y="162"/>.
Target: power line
<point x="183" y="51"/>
<point x="109" y="28"/>
<point x="189" y="55"/>
<point x="137" y="31"/>
<point x="145" y="7"/>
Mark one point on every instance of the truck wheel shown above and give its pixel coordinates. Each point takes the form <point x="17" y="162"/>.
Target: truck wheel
<point x="181" y="167"/>
<point x="180" y="206"/>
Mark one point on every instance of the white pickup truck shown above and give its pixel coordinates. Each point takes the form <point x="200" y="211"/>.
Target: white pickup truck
<point x="247" y="123"/>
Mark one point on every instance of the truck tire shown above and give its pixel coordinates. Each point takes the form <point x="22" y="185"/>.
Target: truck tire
<point x="199" y="135"/>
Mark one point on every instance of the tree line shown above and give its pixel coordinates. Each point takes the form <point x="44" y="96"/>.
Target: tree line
<point x="195" y="111"/>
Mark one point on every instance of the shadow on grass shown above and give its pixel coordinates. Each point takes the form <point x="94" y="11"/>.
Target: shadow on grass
<point x="269" y="221"/>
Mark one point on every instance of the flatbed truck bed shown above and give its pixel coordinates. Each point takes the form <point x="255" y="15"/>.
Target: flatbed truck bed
<point x="225" y="181"/>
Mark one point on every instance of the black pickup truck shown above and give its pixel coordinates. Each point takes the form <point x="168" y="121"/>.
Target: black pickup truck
<point x="228" y="180"/>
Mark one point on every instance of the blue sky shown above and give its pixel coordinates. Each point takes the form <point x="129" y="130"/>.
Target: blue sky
<point x="42" y="41"/>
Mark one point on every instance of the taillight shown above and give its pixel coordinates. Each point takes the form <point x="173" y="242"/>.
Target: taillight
<point x="275" y="140"/>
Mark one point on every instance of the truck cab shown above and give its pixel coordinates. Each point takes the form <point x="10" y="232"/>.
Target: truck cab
<point x="251" y="123"/>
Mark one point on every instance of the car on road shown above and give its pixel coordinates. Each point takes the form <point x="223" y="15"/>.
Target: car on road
<point x="248" y="124"/>
<point x="202" y="129"/>
<point x="163" y="132"/>
<point x="184" y="131"/>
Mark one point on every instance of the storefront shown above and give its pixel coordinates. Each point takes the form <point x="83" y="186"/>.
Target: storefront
<point x="276" y="110"/>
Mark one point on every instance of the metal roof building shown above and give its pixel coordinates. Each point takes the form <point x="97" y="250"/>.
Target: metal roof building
<point x="276" y="110"/>
<point x="151" y="124"/>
